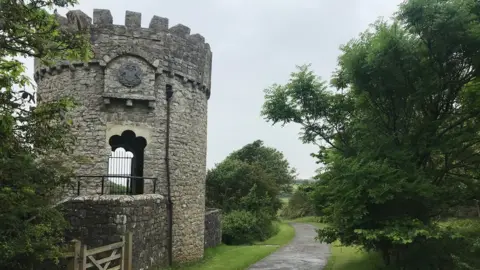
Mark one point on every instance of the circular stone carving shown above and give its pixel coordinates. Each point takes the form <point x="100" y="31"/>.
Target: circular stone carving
<point x="130" y="75"/>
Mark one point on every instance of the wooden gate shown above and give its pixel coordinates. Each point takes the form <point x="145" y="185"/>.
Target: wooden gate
<point x="116" y="256"/>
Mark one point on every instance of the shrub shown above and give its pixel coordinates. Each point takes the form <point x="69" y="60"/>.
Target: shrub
<point x="465" y="247"/>
<point x="300" y="204"/>
<point x="240" y="227"/>
<point x="232" y="180"/>
<point x="252" y="221"/>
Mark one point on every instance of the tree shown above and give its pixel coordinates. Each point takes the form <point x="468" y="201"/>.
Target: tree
<point x="33" y="140"/>
<point x="232" y="180"/>
<point x="253" y="164"/>
<point x="400" y="135"/>
<point x="246" y="186"/>
<point x="301" y="203"/>
<point x="271" y="160"/>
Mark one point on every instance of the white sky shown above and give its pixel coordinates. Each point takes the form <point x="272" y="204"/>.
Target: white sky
<point x="256" y="43"/>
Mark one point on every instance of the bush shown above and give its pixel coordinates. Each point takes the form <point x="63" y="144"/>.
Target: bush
<point x="457" y="247"/>
<point x="252" y="221"/>
<point x="244" y="227"/>
<point x="300" y="204"/>
<point x="465" y="247"/>
<point x="232" y="180"/>
<point x="246" y="186"/>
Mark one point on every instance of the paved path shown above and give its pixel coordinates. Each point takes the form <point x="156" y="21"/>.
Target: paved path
<point x="303" y="253"/>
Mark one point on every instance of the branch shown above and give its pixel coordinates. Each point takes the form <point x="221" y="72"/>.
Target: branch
<point x="459" y="122"/>
<point x="323" y="136"/>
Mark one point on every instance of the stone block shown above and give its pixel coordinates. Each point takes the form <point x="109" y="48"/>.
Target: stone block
<point x="133" y="19"/>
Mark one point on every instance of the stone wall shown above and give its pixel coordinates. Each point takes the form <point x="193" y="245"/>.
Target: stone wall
<point x="102" y="220"/>
<point x="213" y="228"/>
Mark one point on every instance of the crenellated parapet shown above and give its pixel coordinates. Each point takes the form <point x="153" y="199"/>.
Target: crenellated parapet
<point x="172" y="51"/>
<point x="158" y="27"/>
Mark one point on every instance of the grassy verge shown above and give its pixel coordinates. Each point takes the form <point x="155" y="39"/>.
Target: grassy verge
<point x="240" y="257"/>
<point x="310" y="220"/>
<point x="283" y="237"/>
<point x="346" y="258"/>
<point x="350" y="258"/>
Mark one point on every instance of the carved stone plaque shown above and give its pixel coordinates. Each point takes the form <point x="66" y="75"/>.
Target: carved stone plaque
<point x="130" y="74"/>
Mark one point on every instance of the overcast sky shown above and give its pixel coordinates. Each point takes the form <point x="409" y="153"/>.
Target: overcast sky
<point x="256" y="43"/>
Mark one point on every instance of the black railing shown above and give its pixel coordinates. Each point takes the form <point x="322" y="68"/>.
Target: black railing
<point x="120" y="179"/>
<point x="114" y="185"/>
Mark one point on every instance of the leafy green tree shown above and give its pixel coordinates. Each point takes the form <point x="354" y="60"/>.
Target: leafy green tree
<point x="270" y="160"/>
<point x="301" y="203"/>
<point x="232" y="180"/>
<point x="33" y="140"/>
<point x="400" y="135"/>
<point x="253" y="164"/>
<point x="246" y="186"/>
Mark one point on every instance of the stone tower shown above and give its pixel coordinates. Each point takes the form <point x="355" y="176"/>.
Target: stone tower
<point x="146" y="90"/>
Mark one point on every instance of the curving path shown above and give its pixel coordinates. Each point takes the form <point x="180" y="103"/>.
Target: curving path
<point x="303" y="253"/>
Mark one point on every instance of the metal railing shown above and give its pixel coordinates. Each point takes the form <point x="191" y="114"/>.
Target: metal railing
<point x="113" y="185"/>
<point x="120" y="179"/>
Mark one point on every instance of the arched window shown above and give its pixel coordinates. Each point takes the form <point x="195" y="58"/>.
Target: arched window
<point x="125" y="166"/>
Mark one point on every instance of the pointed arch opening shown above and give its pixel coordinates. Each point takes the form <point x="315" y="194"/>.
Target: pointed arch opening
<point x="126" y="163"/>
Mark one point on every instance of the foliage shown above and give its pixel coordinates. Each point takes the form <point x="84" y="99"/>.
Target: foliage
<point x="301" y="204"/>
<point x="270" y="160"/>
<point x="231" y="180"/>
<point x="466" y="246"/>
<point x="117" y="189"/>
<point x="238" y="227"/>
<point x="250" y="221"/>
<point x="284" y="236"/>
<point x="251" y="224"/>
<point x="38" y="33"/>
<point x="246" y="186"/>
<point x="400" y="136"/>
<point x="33" y="141"/>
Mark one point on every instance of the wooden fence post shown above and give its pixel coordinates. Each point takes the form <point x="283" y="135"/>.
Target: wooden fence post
<point x="122" y="259"/>
<point x="74" y="260"/>
<point x="127" y="255"/>
<point x="83" y="258"/>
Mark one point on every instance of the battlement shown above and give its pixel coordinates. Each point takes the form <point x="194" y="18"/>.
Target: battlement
<point x="165" y="50"/>
<point x="103" y="20"/>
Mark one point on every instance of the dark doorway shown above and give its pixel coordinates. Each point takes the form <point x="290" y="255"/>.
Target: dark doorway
<point x="129" y="141"/>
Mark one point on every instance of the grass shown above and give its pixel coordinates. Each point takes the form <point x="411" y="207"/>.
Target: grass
<point x="240" y="257"/>
<point x="352" y="258"/>
<point x="283" y="237"/>
<point x="310" y="220"/>
<point x="230" y="257"/>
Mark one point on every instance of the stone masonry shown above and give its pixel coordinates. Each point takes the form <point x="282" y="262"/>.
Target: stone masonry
<point x="102" y="220"/>
<point x="213" y="228"/>
<point x="124" y="88"/>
